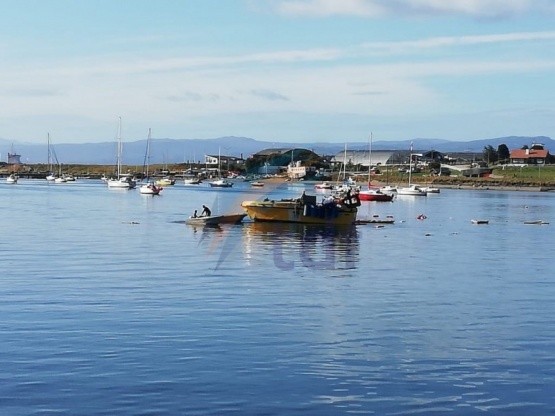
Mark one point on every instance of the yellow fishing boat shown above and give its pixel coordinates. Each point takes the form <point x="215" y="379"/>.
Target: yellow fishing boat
<point x="305" y="210"/>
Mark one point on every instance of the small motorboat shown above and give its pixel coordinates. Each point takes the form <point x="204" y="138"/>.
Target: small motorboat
<point x="211" y="220"/>
<point x="257" y="184"/>
<point x="192" y="181"/>
<point x="479" y="221"/>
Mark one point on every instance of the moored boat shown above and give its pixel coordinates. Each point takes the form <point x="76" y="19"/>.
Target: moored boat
<point x="323" y="185"/>
<point x="374" y="195"/>
<point x="221" y="183"/>
<point x="167" y="181"/>
<point x="332" y="211"/>
<point x="412" y="190"/>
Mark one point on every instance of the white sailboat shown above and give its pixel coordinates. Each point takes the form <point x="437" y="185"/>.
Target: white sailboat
<point x="50" y="176"/>
<point x="221" y="182"/>
<point x="148" y="187"/>
<point x="120" y="181"/>
<point x="411" y="190"/>
<point x="12" y="177"/>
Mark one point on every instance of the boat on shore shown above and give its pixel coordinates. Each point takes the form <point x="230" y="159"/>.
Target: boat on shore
<point x="305" y="210"/>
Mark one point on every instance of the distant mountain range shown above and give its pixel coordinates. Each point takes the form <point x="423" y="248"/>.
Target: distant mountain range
<point x="170" y="151"/>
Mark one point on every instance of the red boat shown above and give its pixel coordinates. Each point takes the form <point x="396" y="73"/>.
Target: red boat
<point x="374" y="195"/>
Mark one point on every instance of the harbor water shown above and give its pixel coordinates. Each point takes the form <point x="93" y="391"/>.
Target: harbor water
<point x="112" y="305"/>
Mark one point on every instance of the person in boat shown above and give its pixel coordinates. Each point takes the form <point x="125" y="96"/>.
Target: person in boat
<point x="205" y="211"/>
<point x="195" y="215"/>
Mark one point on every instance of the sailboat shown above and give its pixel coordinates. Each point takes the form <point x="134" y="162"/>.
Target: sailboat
<point x="221" y="182"/>
<point x="149" y="187"/>
<point x="373" y="194"/>
<point x="411" y="190"/>
<point x="121" y="181"/>
<point x="51" y="176"/>
<point x="13" y="177"/>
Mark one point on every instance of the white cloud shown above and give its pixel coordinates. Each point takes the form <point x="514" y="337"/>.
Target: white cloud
<point x="376" y="8"/>
<point x="437" y="42"/>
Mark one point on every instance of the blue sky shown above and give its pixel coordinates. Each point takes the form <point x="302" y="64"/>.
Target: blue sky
<point x="276" y="70"/>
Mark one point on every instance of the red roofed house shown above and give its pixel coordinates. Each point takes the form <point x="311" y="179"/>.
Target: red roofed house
<point x="535" y="155"/>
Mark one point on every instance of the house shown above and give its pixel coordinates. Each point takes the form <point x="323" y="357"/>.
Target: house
<point x="535" y="155"/>
<point x="215" y="160"/>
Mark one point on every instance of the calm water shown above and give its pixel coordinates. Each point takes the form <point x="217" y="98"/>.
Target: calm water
<point x="110" y="305"/>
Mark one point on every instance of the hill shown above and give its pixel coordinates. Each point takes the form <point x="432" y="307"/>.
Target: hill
<point x="170" y="151"/>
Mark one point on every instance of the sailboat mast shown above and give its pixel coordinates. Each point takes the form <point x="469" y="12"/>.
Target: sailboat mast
<point x="49" y="154"/>
<point x="119" y="147"/>
<point x="410" y="164"/>
<point x="147" y="156"/>
<point x="370" y="160"/>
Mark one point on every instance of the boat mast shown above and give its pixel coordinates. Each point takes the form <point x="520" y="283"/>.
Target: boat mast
<point x="119" y="149"/>
<point x="410" y="164"/>
<point x="370" y="160"/>
<point x="147" y="155"/>
<point x="49" y="154"/>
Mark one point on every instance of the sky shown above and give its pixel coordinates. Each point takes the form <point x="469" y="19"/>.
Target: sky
<point x="276" y="70"/>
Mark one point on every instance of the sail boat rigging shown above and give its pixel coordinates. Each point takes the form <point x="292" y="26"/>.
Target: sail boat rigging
<point x="149" y="187"/>
<point x="220" y="182"/>
<point x="411" y="190"/>
<point x="373" y="194"/>
<point x="121" y="181"/>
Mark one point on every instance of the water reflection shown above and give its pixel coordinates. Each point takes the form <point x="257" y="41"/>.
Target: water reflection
<point x="298" y="245"/>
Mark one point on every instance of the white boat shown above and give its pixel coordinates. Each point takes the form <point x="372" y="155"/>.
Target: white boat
<point x="192" y="181"/>
<point x="388" y="189"/>
<point x="211" y="220"/>
<point x="120" y="181"/>
<point x="430" y="189"/>
<point x="12" y="178"/>
<point x="323" y="185"/>
<point x="60" y="179"/>
<point x="51" y="175"/>
<point x="221" y="183"/>
<point x="148" y="187"/>
<point x="257" y="184"/>
<point x="411" y="190"/>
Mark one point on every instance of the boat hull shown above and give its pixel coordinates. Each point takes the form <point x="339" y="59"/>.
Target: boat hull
<point x="212" y="220"/>
<point x="374" y="196"/>
<point x="150" y="189"/>
<point x="293" y="211"/>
